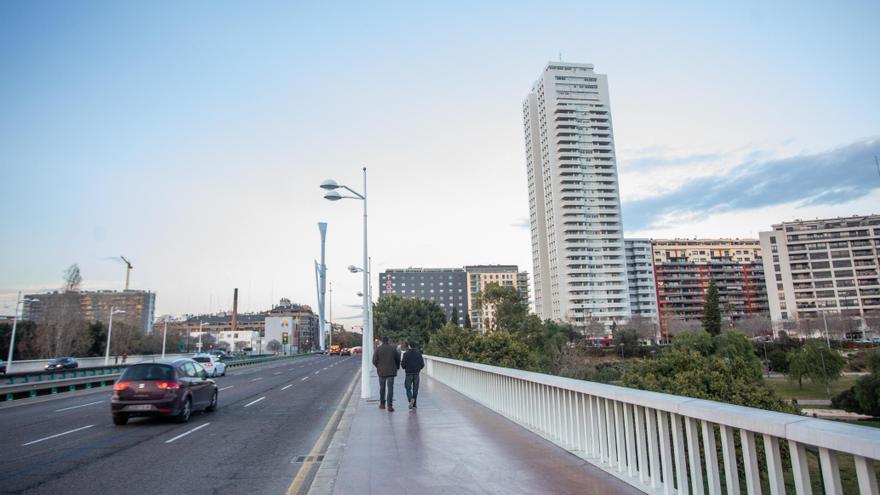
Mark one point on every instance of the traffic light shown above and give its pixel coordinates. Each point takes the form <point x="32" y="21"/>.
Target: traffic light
<point x="284" y="338"/>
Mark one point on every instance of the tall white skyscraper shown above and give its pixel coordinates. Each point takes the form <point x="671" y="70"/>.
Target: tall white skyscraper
<point x="574" y="199"/>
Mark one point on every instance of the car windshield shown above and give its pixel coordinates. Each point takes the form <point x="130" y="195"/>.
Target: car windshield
<point x="55" y="361"/>
<point x="148" y="372"/>
<point x="202" y="359"/>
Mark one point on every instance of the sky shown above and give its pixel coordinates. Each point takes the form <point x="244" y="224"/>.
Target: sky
<point x="191" y="137"/>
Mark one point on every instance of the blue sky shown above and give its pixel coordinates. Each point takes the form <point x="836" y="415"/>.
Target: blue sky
<point x="190" y="136"/>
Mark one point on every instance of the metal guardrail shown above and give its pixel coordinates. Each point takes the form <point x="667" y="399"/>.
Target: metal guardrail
<point x="653" y="441"/>
<point x="70" y="380"/>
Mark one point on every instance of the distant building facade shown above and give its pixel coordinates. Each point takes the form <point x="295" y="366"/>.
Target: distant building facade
<point x="827" y="266"/>
<point x="684" y="267"/>
<point x="445" y="286"/>
<point x="139" y="306"/>
<point x="478" y="276"/>
<point x="640" y="278"/>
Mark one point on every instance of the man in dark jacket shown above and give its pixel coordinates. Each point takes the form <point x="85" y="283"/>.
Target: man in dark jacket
<point x="412" y="364"/>
<point x="386" y="359"/>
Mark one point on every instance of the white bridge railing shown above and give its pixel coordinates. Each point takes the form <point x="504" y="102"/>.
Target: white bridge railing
<point x="663" y="443"/>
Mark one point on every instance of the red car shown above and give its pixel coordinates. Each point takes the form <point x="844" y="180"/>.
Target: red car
<point x="172" y="388"/>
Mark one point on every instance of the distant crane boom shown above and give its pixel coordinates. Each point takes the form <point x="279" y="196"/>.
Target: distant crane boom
<point x="128" y="268"/>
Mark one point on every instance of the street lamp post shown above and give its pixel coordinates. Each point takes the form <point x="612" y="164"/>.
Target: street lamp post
<point x="164" y="338"/>
<point x="201" y="325"/>
<point x="18" y="303"/>
<point x="113" y="311"/>
<point x="367" y="355"/>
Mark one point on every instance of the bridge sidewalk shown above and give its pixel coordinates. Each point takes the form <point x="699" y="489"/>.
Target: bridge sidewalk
<point x="448" y="445"/>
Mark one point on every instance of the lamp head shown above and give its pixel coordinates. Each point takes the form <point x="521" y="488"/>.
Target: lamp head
<point x="353" y="269"/>
<point x="329" y="185"/>
<point x="332" y="196"/>
<point x="360" y="294"/>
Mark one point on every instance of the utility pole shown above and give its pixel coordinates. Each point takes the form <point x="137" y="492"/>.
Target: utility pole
<point x="330" y="316"/>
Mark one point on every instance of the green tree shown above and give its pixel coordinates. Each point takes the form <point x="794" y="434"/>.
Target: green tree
<point x="722" y="368"/>
<point x="712" y="310"/>
<point x="453" y="342"/>
<point x="626" y="340"/>
<point x="407" y="319"/>
<point x="817" y="362"/>
<point x="453" y="318"/>
<point x="861" y="398"/>
<point x="510" y="312"/>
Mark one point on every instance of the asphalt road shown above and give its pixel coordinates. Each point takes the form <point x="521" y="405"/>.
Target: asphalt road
<point x="268" y="416"/>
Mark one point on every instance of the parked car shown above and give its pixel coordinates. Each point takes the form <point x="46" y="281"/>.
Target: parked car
<point x="172" y="388"/>
<point x="65" y="363"/>
<point x="212" y="364"/>
<point x="2" y="367"/>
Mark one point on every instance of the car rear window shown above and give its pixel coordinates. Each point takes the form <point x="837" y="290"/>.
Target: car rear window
<point x="148" y="372"/>
<point x="202" y="359"/>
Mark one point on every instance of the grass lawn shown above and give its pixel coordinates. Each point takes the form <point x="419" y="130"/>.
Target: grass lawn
<point x="788" y="389"/>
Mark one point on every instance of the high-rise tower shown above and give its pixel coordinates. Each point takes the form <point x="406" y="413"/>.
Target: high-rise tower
<point x="574" y="199"/>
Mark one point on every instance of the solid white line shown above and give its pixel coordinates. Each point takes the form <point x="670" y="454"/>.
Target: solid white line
<point x="277" y="373"/>
<point x="286" y="387"/>
<point x="187" y="433"/>
<point x="224" y="388"/>
<point x="56" y="435"/>
<point x="81" y="405"/>
<point x="254" y="402"/>
<point x="257" y="378"/>
<point x="304" y="379"/>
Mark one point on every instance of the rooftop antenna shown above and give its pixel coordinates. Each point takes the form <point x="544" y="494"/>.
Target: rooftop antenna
<point x="560" y="55"/>
<point x="128" y="270"/>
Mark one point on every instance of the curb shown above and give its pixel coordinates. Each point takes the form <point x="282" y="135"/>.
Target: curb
<point x="325" y="477"/>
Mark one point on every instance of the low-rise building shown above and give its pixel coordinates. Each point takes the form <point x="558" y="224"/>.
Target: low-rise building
<point x="478" y="277"/>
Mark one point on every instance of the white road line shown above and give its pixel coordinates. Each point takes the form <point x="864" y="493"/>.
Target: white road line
<point x="257" y="378"/>
<point x="304" y="379"/>
<point x="254" y="402"/>
<point x="187" y="433"/>
<point x="224" y="388"/>
<point x="277" y="373"/>
<point x="286" y="387"/>
<point x="317" y="372"/>
<point x="81" y="405"/>
<point x="57" y="435"/>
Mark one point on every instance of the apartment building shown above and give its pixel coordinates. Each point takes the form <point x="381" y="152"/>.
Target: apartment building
<point x="445" y="286"/>
<point x="478" y="276"/>
<point x="574" y="201"/>
<point x="817" y="267"/>
<point x="137" y="307"/>
<point x="684" y="267"/>
<point x="640" y="278"/>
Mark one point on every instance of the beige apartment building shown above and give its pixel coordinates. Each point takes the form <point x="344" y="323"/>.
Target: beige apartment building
<point x="479" y="276"/>
<point x="817" y="268"/>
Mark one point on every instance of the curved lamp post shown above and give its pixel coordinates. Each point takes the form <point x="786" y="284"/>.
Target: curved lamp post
<point x="333" y="194"/>
<point x="19" y="303"/>
<point x="113" y="311"/>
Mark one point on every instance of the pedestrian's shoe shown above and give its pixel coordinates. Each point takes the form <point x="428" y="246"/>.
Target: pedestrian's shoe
<point x="412" y="403"/>
<point x="390" y="408"/>
<point x="381" y="405"/>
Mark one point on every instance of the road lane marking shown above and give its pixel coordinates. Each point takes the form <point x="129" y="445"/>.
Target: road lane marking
<point x="286" y="387"/>
<point x="303" y="379"/>
<point x="257" y="378"/>
<point x="57" y="435"/>
<point x="81" y="405"/>
<point x="277" y="373"/>
<point x="254" y="402"/>
<point x="197" y="428"/>
<point x="317" y="372"/>
<point x="296" y="486"/>
<point x="224" y="388"/>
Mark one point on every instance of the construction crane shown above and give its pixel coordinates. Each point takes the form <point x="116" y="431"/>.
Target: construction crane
<point x="127" y="270"/>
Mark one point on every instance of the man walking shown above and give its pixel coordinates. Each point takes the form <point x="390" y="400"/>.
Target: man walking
<point x="412" y="364"/>
<point x="386" y="359"/>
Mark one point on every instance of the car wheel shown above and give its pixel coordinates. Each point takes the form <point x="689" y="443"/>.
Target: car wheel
<point x="213" y="405"/>
<point x="120" y="419"/>
<point x="185" y="411"/>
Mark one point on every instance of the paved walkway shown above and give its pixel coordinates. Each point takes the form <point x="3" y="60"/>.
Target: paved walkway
<point x="452" y="445"/>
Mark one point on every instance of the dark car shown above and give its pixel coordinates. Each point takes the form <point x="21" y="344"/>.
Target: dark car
<point x="172" y="388"/>
<point x="65" y="363"/>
